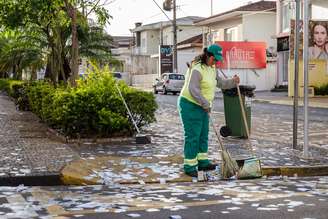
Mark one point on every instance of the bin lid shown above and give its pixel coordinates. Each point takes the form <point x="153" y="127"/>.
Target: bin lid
<point x="246" y="90"/>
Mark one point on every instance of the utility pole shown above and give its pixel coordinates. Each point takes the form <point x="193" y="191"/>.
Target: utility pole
<point x="168" y="5"/>
<point x="175" y="52"/>
<point x="211" y="7"/>
<point x="306" y="75"/>
<point x="296" y="71"/>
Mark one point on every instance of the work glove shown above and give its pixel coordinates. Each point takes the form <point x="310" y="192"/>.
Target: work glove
<point x="208" y="110"/>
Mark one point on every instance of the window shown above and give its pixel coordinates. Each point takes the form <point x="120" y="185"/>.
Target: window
<point x="176" y="77"/>
<point x="231" y="34"/>
<point x="138" y="36"/>
<point x="287" y="13"/>
<point x="286" y="16"/>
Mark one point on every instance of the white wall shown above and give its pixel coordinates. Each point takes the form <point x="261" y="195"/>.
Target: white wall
<point x="149" y="42"/>
<point x="142" y="65"/>
<point x="185" y="33"/>
<point x="187" y="55"/>
<point x="145" y="81"/>
<point x="219" y="28"/>
<point x="265" y="79"/>
<point x="260" y="27"/>
<point x="152" y="41"/>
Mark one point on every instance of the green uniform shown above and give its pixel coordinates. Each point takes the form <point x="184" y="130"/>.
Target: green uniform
<point x="195" y="119"/>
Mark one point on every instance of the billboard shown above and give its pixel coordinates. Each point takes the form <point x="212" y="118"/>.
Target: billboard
<point x="242" y="55"/>
<point x="165" y="59"/>
<point x="318" y="42"/>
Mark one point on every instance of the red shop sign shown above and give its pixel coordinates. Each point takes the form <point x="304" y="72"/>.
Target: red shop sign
<point x="242" y="55"/>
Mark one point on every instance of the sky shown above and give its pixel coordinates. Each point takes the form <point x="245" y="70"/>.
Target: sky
<point x="127" y="12"/>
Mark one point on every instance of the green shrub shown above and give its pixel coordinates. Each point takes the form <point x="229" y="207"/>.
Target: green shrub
<point x="17" y="90"/>
<point x="39" y="94"/>
<point x="321" y="90"/>
<point x="94" y="107"/>
<point x="11" y="86"/>
<point x="4" y="84"/>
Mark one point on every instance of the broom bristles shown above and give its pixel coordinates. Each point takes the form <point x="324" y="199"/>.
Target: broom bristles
<point x="229" y="165"/>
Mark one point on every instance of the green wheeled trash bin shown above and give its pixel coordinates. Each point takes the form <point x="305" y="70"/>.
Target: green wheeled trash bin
<point x="233" y="115"/>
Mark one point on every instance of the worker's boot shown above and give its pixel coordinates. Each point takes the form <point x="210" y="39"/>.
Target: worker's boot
<point x="210" y="166"/>
<point x="193" y="173"/>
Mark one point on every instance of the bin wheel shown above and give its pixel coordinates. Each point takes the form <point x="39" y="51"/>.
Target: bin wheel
<point x="225" y="131"/>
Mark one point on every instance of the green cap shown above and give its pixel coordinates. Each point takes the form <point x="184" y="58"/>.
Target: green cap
<point x="216" y="50"/>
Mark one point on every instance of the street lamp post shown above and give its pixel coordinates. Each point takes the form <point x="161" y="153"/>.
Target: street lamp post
<point x="306" y="75"/>
<point x="175" y="52"/>
<point x="296" y="63"/>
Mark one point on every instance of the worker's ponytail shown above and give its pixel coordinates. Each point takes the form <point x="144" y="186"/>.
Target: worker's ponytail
<point x="202" y="59"/>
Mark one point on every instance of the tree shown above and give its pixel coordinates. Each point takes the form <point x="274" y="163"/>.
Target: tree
<point x="21" y="50"/>
<point x="60" y="22"/>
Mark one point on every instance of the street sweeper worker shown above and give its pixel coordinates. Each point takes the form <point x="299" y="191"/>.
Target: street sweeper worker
<point x="195" y="103"/>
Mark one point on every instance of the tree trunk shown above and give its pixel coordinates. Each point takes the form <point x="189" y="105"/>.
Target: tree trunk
<point x="75" y="48"/>
<point x="33" y="74"/>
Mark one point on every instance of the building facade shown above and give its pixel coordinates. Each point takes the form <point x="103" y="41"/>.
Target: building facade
<point x="253" y="22"/>
<point x="286" y="13"/>
<point x="148" y="38"/>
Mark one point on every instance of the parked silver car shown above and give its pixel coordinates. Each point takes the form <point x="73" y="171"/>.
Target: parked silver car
<point x="169" y="82"/>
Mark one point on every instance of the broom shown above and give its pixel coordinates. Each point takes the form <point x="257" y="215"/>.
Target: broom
<point x="229" y="165"/>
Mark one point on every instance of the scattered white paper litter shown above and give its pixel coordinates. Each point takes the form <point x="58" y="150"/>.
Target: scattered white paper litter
<point x="152" y="210"/>
<point x="267" y="209"/>
<point x="175" y="217"/>
<point x="134" y="215"/>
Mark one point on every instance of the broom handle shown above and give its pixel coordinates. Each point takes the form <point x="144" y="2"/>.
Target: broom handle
<point x="216" y="132"/>
<point x="127" y="108"/>
<point x="244" y="118"/>
<point x="243" y="110"/>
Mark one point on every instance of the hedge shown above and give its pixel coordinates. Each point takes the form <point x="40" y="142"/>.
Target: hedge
<point x="93" y="108"/>
<point x="321" y="90"/>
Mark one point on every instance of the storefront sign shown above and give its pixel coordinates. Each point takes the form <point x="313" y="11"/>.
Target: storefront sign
<point x="243" y="55"/>
<point x="283" y="44"/>
<point x="166" y="59"/>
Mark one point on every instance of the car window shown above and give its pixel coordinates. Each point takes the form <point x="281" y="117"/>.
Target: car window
<point x="117" y="75"/>
<point x="176" y="77"/>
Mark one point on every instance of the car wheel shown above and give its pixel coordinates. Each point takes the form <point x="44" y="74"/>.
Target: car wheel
<point x="155" y="91"/>
<point x="174" y="93"/>
<point x="164" y="91"/>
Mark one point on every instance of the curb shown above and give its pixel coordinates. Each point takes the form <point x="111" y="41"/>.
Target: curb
<point x="53" y="134"/>
<point x="287" y="103"/>
<point x="302" y="171"/>
<point x="75" y="177"/>
<point x="51" y="179"/>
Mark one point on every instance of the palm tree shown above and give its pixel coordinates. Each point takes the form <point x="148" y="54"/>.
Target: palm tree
<point x="21" y="51"/>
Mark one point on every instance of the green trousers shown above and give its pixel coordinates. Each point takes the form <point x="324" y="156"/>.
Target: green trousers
<point x="195" y="124"/>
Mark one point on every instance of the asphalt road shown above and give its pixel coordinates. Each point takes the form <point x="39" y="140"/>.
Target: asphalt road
<point x="260" y="109"/>
<point x="260" y="198"/>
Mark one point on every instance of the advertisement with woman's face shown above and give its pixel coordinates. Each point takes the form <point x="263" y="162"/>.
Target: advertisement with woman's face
<point x="318" y="40"/>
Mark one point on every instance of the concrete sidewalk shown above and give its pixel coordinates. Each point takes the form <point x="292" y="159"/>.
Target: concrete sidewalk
<point x="280" y="98"/>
